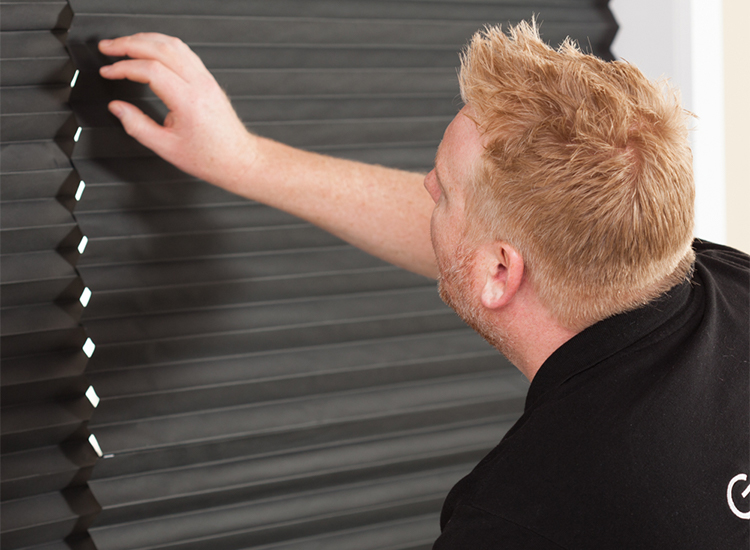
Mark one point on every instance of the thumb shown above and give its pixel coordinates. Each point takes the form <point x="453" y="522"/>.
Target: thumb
<point x="139" y="126"/>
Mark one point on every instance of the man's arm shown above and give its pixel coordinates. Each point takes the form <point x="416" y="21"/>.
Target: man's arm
<point x="385" y="212"/>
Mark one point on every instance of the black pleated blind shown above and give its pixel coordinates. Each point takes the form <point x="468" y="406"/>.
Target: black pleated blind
<point x="46" y="458"/>
<point x="263" y="384"/>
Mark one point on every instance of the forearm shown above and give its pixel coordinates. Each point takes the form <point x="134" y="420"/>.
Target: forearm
<point x="383" y="211"/>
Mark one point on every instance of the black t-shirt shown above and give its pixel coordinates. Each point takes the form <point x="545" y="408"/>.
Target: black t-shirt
<point x="635" y="433"/>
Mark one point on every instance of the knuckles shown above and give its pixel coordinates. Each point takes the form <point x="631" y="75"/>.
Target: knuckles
<point x="161" y="43"/>
<point x="130" y="127"/>
<point x="154" y="68"/>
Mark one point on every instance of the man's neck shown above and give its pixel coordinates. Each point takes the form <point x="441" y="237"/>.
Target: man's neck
<point x="534" y="333"/>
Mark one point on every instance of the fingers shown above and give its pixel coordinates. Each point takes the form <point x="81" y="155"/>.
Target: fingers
<point x="172" y="52"/>
<point x="141" y="127"/>
<point x="200" y="121"/>
<point x="162" y="81"/>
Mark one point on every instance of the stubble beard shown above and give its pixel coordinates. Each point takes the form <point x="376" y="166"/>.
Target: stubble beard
<point x="454" y="287"/>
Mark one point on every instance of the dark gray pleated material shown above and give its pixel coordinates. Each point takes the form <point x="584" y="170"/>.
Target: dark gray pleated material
<point x="46" y="458"/>
<point x="263" y="384"/>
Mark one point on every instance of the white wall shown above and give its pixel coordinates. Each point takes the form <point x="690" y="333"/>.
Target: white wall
<point x="682" y="40"/>
<point x="737" y="122"/>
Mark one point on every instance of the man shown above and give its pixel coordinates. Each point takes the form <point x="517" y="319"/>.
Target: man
<point x="558" y="221"/>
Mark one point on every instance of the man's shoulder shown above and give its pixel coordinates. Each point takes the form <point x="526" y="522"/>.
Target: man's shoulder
<point x="721" y="255"/>
<point x="640" y="444"/>
<point x="723" y="276"/>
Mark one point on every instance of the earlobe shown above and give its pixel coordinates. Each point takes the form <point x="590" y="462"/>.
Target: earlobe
<point x="503" y="268"/>
<point x="493" y="294"/>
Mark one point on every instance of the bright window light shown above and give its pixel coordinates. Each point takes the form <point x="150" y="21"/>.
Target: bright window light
<point x="89" y="347"/>
<point x="91" y="394"/>
<point x="82" y="244"/>
<point x="85" y="296"/>
<point x="79" y="191"/>
<point x="95" y="444"/>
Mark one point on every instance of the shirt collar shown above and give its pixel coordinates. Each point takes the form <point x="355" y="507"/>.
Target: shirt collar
<point x="604" y="339"/>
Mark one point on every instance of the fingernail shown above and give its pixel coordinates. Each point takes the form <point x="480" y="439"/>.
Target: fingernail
<point x="105" y="42"/>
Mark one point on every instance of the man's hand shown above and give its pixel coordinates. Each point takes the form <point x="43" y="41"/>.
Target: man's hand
<point x="385" y="212"/>
<point x="202" y="134"/>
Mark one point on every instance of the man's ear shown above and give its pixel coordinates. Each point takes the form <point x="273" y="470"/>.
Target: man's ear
<point x="502" y="270"/>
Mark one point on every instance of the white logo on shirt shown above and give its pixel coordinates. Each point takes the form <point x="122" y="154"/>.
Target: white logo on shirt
<point x="730" y="498"/>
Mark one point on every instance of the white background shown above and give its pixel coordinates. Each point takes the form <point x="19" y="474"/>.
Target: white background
<point x="685" y="41"/>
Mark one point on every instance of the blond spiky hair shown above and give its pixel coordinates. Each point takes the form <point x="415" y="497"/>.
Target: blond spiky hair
<point x="587" y="171"/>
